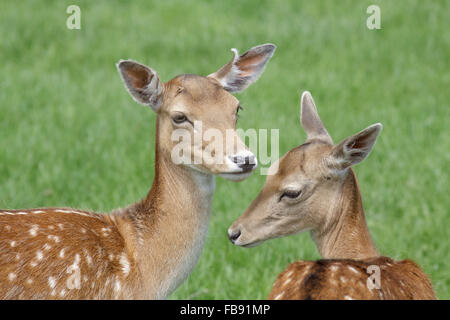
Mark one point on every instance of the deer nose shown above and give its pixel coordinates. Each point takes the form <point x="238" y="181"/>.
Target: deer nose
<point x="246" y="163"/>
<point x="234" y="235"/>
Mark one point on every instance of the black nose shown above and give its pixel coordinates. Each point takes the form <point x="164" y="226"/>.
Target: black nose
<point x="233" y="236"/>
<point x="245" y="163"/>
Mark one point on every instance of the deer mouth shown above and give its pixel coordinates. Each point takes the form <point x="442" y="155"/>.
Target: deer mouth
<point x="250" y="244"/>
<point x="236" y="176"/>
<point x="235" y="236"/>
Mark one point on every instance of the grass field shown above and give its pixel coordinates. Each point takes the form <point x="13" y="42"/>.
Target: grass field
<point x="70" y="135"/>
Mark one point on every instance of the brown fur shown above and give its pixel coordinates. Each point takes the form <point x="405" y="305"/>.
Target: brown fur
<point x="333" y="280"/>
<point x="328" y="203"/>
<point x="37" y="246"/>
<point x="146" y="250"/>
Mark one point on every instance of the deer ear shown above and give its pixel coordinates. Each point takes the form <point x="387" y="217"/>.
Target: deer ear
<point x="142" y="83"/>
<point x="355" y="148"/>
<point x="243" y="70"/>
<point x="310" y="119"/>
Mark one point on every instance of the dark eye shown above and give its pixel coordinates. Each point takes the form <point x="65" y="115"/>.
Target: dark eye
<point x="292" y="194"/>
<point x="179" y="118"/>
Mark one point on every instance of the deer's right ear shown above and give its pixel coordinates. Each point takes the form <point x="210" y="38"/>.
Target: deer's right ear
<point x="310" y="119"/>
<point x="142" y="83"/>
<point x="244" y="69"/>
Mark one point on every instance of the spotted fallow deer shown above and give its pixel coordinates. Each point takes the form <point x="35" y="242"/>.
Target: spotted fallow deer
<point x="315" y="189"/>
<point x="146" y="250"/>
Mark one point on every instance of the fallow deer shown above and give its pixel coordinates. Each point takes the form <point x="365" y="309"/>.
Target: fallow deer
<point x="313" y="187"/>
<point x="146" y="250"/>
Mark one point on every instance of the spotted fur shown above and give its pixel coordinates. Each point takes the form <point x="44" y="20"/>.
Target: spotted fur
<point x="345" y="279"/>
<point x="44" y="254"/>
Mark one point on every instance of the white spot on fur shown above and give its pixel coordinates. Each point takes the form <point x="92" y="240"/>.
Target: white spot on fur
<point x="125" y="264"/>
<point x="62" y="293"/>
<point x="348" y="298"/>
<point x="75" y="212"/>
<point x="38" y="211"/>
<point x="8" y="228"/>
<point x="54" y="238"/>
<point x="52" y="282"/>
<point x="106" y="232"/>
<point x="62" y="252"/>
<point x="117" y="286"/>
<point x="60" y="226"/>
<point x="88" y="259"/>
<point x="12" y="276"/>
<point x="77" y="261"/>
<point x="334" y="268"/>
<point x="353" y="270"/>
<point x="39" y="255"/>
<point x="63" y="211"/>
<point x="278" y="297"/>
<point x="47" y="247"/>
<point x="287" y="281"/>
<point x="33" y="230"/>
<point x="29" y="281"/>
<point x="13" y="244"/>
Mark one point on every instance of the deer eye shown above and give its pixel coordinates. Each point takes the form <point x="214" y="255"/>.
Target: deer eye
<point x="291" y="194"/>
<point x="179" y="118"/>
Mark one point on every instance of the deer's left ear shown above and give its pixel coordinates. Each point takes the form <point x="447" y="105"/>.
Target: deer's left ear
<point x="243" y="70"/>
<point x="355" y="148"/>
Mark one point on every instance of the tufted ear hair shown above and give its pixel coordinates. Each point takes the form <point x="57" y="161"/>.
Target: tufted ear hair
<point x="310" y="119"/>
<point x="141" y="82"/>
<point x="355" y="148"/>
<point x="243" y="70"/>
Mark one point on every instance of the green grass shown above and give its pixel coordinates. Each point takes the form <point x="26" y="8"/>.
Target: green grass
<point x="71" y="135"/>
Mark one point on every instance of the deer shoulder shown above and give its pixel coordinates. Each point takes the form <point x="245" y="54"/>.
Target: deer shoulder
<point x="345" y="279"/>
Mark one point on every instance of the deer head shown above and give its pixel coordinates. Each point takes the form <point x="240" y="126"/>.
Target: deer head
<point x="309" y="185"/>
<point x="197" y="115"/>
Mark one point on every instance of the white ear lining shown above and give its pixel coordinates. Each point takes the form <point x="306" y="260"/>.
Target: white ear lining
<point x="150" y="94"/>
<point x="344" y="155"/>
<point x="230" y="75"/>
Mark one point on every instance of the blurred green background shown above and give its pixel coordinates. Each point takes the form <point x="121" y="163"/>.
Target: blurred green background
<point x="70" y="135"/>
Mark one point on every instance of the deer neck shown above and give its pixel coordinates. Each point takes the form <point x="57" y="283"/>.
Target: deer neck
<point x="170" y="225"/>
<point x="345" y="235"/>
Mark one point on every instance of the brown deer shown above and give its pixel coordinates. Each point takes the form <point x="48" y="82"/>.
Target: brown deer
<point x="313" y="187"/>
<point x="146" y="250"/>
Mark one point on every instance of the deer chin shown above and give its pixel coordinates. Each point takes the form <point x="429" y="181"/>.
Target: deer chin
<point x="236" y="176"/>
<point x="232" y="176"/>
<point x="248" y="244"/>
